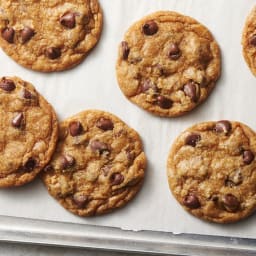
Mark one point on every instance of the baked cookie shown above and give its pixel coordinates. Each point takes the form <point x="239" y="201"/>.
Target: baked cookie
<point x="98" y="166"/>
<point x="28" y="134"/>
<point x="168" y="63"/>
<point x="49" y="35"/>
<point x="249" y="41"/>
<point x="212" y="171"/>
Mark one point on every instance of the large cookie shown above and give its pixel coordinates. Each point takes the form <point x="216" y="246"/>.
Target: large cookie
<point x="249" y="41"/>
<point x="168" y="63"/>
<point x="49" y="35"/>
<point x="98" y="166"/>
<point x="28" y="134"/>
<point x="212" y="171"/>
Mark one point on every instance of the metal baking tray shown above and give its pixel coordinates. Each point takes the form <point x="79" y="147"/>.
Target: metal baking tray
<point x="52" y="233"/>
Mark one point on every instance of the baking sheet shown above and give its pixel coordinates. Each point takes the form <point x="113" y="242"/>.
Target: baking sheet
<point x="93" y="85"/>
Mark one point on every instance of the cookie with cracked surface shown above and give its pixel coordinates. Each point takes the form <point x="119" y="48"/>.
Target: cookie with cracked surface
<point x="249" y="41"/>
<point x="168" y="63"/>
<point x="211" y="170"/>
<point x="49" y="35"/>
<point x="98" y="166"/>
<point x="29" y="132"/>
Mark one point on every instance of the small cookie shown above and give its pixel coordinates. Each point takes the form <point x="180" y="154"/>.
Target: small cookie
<point x="29" y="132"/>
<point x="49" y="35"/>
<point x="212" y="171"/>
<point x="168" y="63"/>
<point x="98" y="166"/>
<point x="249" y="41"/>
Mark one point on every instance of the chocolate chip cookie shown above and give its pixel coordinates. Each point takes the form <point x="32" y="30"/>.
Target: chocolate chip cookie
<point x="249" y="41"/>
<point x="29" y="132"/>
<point x="49" y="35"/>
<point x="168" y="63"/>
<point x="212" y="171"/>
<point x="98" y="166"/>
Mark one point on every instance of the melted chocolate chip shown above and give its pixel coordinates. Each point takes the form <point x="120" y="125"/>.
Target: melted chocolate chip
<point x="104" y="124"/>
<point x="80" y="200"/>
<point x="48" y="168"/>
<point x="68" y="20"/>
<point x="97" y="145"/>
<point x="7" y="85"/>
<point x="27" y="94"/>
<point x="26" y="34"/>
<point x="30" y="164"/>
<point x="252" y="40"/>
<point x="146" y="85"/>
<point x="116" y="178"/>
<point x="191" y="90"/>
<point x="125" y="50"/>
<point x="223" y="126"/>
<point x="17" y="121"/>
<point x="67" y="161"/>
<point x="53" y="53"/>
<point x="230" y="203"/>
<point x="8" y="35"/>
<point x="163" y="102"/>
<point x="150" y="28"/>
<point x="75" y="128"/>
<point x="192" y="139"/>
<point x="191" y="201"/>
<point x="174" y="52"/>
<point x="248" y="156"/>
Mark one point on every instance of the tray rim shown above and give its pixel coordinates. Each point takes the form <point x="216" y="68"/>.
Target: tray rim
<point x="63" y="234"/>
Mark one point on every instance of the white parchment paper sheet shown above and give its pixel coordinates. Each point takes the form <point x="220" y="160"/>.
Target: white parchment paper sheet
<point x="93" y="85"/>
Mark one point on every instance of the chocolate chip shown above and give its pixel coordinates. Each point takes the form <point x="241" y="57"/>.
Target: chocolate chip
<point x="191" y="90"/>
<point x="192" y="139"/>
<point x="150" y="28"/>
<point x="223" y="126"/>
<point x="68" y="20"/>
<point x="252" y="40"/>
<point x="67" y="161"/>
<point x="230" y="203"/>
<point x="248" y="156"/>
<point x="191" y="201"/>
<point x="75" y="128"/>
<point x="163" y="102"/>
<point x="8" y="35"/>
<point x="18" y="120"/>
<point x="80" y="200"/>
<point x="146" y="85"/>
<point x="30" y="164"/>
<point x="125" y="50"/>
<point x="7" y="85"/>
<point x="174" y="52"/>
<point x="97" y="145"/>
<point x="26" y="34"/>
<point x="53" y="53"/>
<point x="48" y="168"/>
<point x="27" y="94"/>
<point x="105" y="124"/>
<point x="116" y="178"/>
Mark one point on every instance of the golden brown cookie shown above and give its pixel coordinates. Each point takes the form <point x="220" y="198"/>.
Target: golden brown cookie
<point x="168" y="63"/>
<point x="98" y="166"/>
<point x="212" y="171"/>
<point x="249" y="41"/>
<point x="49" y="35"/>
<point x="29" y="132"/>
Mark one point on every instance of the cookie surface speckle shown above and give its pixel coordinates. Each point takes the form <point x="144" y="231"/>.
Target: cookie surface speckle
<point x="29" y="132"/>
<point x="212" y="173"/>
<point x="168" y="63"/>
<point x="49" y="35"/>
<point x="97" y="169"/>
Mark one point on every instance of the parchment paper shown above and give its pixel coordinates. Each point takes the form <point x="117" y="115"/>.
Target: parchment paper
<point x="93" y="85"/>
